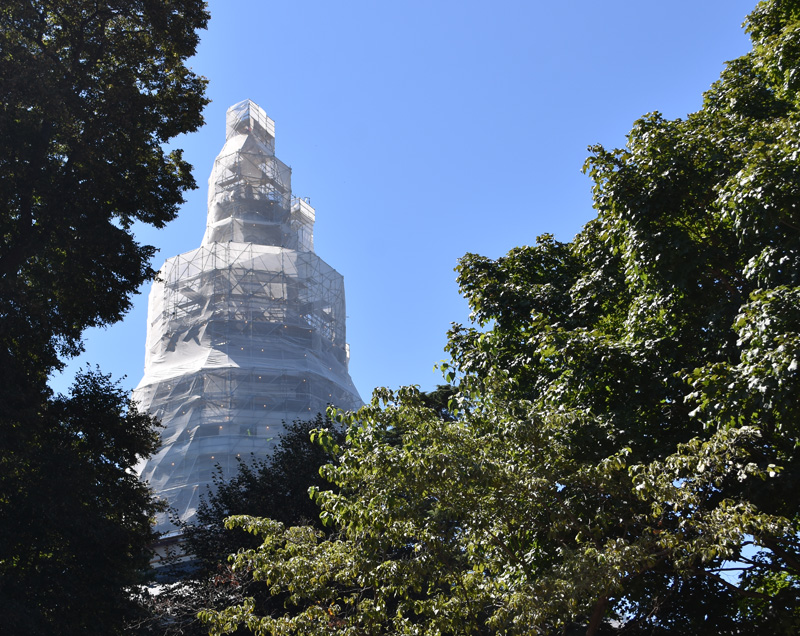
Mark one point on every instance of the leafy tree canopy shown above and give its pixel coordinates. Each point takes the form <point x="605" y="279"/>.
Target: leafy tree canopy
<point x="76" y="521"/>
<point x="624" y="453"/>
<point x="276" y="487"/>
<point x="89" y="93"/>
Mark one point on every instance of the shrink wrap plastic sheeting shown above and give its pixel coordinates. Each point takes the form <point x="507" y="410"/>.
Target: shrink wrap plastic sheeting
<point x="246" y="332"/>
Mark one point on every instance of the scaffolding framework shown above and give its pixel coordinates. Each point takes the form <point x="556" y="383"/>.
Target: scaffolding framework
<point x="247" y="331"/>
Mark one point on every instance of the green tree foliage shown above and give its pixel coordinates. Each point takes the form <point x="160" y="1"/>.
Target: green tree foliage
<point x="624" y="457"/>
<point x="276" y="487"/>
<point x="76" y="521"/>
<point x="89" y="93"/>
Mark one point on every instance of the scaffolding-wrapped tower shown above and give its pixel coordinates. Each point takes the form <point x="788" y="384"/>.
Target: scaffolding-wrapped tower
<point x="247" y="331"/>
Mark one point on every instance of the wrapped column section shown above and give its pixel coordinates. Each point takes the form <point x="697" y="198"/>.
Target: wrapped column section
<point x="245" y="332"/>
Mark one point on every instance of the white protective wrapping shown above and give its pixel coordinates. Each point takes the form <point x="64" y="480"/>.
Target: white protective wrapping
<point x="247" y="331"/>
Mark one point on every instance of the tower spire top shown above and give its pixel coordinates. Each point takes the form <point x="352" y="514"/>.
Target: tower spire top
<point x="250" y="189"/>
<point x="247" y="118"/>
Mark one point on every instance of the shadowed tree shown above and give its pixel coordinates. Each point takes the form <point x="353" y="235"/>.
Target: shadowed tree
<point x="89" y="93"/>
<point x="277" y="487"/>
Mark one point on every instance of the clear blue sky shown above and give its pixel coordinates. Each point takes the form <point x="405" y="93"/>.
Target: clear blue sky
<point x="425" y="130"/>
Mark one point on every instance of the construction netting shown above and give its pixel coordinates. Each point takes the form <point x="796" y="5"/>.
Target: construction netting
<point x="246" y="332"/>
